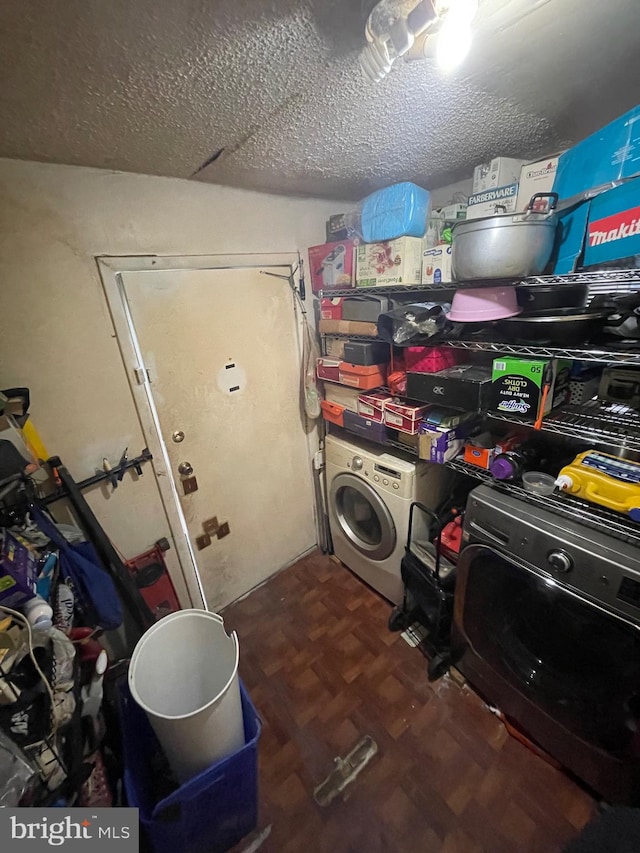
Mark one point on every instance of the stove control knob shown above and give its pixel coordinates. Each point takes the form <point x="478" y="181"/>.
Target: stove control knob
<point x="560" y="561"/>
<point x="356" y="463"/>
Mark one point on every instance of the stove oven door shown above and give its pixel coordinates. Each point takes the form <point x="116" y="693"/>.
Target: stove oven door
<point x="564" y="669"/>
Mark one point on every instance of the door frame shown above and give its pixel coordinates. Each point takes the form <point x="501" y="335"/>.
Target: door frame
<point x="111" y="269"/>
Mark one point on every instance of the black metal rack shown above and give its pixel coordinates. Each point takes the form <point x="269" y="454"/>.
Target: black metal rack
<point x="584" y="353"/>
<point x="595" y="421"/>
<point x="586" y="513"/>
<point x="601" y="281"/>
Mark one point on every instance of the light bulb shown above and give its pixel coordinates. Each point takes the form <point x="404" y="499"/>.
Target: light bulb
<point x="462" y="10"/>
<point x="454" y="43"/>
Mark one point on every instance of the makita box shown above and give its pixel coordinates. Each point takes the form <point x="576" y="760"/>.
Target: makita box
<point x="613" y="230"/>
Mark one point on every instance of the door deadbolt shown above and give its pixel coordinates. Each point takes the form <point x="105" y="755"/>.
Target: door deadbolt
<point x="185" y="468"/>
<point x="178" y="436"/>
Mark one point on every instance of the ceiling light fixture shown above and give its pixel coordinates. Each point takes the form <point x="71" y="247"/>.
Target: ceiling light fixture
<point x="397" y="28"/>
<point x="455" y="37"/>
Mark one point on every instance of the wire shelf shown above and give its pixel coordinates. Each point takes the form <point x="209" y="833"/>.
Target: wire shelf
<point x="350" y="337"/>
<point x="573" y="353"/>
<point x="578" y="510"/>
<point x="601" y="281"/>
<point x="386" y="288"/>
<point x="590" y="277"/>
<point x="596" y="421"/>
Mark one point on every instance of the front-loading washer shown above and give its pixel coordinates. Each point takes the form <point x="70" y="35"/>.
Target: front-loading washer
<point x="369" y="497"/>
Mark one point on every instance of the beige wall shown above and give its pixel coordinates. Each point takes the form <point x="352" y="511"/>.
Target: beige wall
<point x="56" y="332"/>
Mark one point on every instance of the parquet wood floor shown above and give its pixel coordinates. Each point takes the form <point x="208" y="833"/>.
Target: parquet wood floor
<point x="323" y="670"/>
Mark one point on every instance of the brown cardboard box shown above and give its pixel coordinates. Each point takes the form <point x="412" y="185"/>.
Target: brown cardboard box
<point x="347" y="327"/>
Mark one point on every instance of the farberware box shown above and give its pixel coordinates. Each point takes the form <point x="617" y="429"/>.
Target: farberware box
<point x="365" y="427"/>
<point x="465" y="386"/>
<point x="332" y="266"/>
<point x="328" y="368"/>
<point x="405" y="417"/>
<point x="372" y="405"/>
<point x="367" y="352"/>
<point x="363" y="376"/>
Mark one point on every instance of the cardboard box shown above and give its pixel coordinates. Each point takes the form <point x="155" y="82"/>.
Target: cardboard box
<point x="18" y="571"/>
<point x="490" y="202"/>
<point x="365" y="427"/>
<point x="343" y="396"/>
<point x="599" y="230"/>
<point x="390" y="262"/>
<point x="404" y="417"/>
<point x="328" y="368"/>
<point x="436" y="265"/>
<point x="332" y="265"/>
<point x="333" y="347"/>
<point x="496" y="173"/>
<point x="372" y="405"/>
<point x="347" y="327"/>
<point x="363" y="376"/>
<point x="453" y="212"/>
<point x="517" y="385"/>
<point x="610" y="154"/>
<point x="331" y="309"/>
<point x="478" y="455"/>
<point x="465" y="386"/>
<point x="613" y="230"/>
<point x="332" y="412"/>
<point x="440" y="444"/>
<point x="536" y="178"/>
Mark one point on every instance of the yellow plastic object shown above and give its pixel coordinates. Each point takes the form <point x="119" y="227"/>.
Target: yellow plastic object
<point x="34" y="442"/>
<point x="605" y="480"/>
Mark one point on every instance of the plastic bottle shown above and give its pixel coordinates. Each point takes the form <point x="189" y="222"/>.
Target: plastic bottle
<point x="38" y="613"/>
<point x="512" y="464"/>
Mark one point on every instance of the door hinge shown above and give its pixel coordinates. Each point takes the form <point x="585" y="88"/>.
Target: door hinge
<point x="142" y="374"/>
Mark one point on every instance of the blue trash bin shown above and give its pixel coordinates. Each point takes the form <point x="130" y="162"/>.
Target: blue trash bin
<point x="209" y="813"/>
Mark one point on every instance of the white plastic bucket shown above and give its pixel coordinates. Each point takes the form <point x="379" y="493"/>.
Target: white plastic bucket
<point x="184" y="674"/>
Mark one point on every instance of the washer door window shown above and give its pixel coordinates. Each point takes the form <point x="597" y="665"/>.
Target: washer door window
<point x="363" y="517"/>
<point x="575" y="660"/>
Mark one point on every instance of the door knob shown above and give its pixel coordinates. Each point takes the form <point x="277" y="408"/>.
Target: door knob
<point x="185" y="468"/>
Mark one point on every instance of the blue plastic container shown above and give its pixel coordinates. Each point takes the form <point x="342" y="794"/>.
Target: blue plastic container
<point x="209" y="813"/>
<point x="400" y="210"/>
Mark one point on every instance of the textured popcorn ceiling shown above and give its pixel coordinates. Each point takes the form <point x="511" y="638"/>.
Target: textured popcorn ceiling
<point x="272" y="90"/>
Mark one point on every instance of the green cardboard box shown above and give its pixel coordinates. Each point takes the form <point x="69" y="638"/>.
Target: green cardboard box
<point x="517" y="385"/>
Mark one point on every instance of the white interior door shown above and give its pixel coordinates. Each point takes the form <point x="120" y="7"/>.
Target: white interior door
<point x="222" y="352"/>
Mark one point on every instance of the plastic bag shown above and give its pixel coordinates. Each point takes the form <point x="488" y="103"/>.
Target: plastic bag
<point x="396" y="211"/>
<point x="15" y="773"/>
<point x="93" y="587"/>
<point x="419" y="322"/>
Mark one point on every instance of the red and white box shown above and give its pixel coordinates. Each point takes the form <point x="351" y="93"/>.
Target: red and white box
<point x="328" y="368"/>
<point x="364" y="376"/>
<point x="332" y="266"/>
<point x="404" y="417"/>
<point x="372" y="405"/>
<point x="331" y="309"/>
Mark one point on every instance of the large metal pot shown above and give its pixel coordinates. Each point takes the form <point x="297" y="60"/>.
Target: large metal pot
<point x="550" y="297"/>
<point x="505" y="246"/>
<point x="565" y="327"/>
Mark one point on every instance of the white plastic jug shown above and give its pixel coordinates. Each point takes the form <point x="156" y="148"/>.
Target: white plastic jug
<point x="184" y="674"/>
